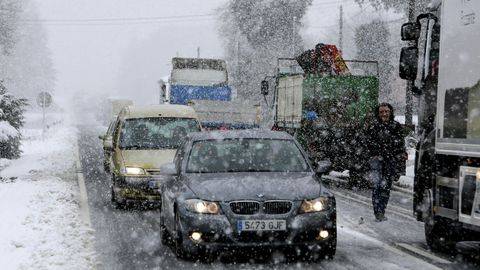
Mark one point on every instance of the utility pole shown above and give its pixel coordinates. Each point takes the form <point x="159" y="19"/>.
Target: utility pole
<point x="198" y="52"/>
<point x="340" y="39"/>
<point x="408" y="90"/>
<point x="293" y="36"/>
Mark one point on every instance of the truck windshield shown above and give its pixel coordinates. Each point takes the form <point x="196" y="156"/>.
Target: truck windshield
<point x="156" y="132"/>
<point x="246" y="155"/>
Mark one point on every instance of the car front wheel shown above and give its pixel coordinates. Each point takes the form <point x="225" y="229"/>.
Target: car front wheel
<point x="165" y="236"/>
<point x="115" y="201"/>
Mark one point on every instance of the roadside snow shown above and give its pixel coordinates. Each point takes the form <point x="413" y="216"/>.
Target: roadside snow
<point x="41" y="227"/>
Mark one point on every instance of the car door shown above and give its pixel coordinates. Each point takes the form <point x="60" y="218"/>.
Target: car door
<point x="108" y="137"/>
<point x="171" y="188"/>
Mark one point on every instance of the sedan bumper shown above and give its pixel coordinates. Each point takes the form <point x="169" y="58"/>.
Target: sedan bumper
<point x="138" y="188"/>
<point x="222" y="230"/>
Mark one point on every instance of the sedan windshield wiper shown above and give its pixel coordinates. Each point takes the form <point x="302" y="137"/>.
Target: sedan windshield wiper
<point x="249" y="170"/>
<point x="134" y="147"/>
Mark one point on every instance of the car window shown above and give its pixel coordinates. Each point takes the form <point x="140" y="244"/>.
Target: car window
<point x="156" y="132"/>
<point x="246" y="155"/>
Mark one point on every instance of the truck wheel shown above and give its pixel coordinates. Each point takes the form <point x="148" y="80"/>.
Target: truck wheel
<point x="439" y="234"/>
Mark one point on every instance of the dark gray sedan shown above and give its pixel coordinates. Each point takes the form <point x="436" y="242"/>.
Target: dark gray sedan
<point x="250" y="188"/>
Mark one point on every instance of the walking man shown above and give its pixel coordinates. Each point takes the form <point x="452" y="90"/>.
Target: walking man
<point x="386" y="147"/>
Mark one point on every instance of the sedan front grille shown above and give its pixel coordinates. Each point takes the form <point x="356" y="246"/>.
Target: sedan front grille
<point x="245" y="207"/>
<point x="277" y="207"/>
<point x="268" y="207"/>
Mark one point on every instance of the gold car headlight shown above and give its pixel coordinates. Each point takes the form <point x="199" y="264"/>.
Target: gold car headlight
<point x="134" y="171"/>
<point x="203" y="207"/>
<point x="316" y="205"/>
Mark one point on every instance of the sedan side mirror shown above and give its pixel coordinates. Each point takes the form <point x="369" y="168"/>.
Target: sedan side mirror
<point x="108" y="143"/>
<point x="323" y="167"/>
<point x="168" y="169"/>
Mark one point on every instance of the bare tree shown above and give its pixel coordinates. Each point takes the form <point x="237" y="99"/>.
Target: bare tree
<point x="255" y="33"/>
<point x="372" y="42"/>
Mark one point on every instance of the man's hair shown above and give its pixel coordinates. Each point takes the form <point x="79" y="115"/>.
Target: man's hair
<point x="385" y="104"/>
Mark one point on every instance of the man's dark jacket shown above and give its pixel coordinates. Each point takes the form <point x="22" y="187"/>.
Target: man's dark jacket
<point x="386" y="140"/>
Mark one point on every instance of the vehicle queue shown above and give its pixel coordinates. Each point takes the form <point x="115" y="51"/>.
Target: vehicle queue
<point x="219" y="189"/>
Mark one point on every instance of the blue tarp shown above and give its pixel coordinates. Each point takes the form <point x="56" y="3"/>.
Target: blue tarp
<point x="181" y="94"/>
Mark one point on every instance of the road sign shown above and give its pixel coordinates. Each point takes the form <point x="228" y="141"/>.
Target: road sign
<point x="44" y="99"/>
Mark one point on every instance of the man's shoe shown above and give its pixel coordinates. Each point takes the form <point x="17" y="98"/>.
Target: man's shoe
<point x="380" y="218"/>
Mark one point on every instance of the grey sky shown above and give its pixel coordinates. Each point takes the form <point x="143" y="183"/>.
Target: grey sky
<point x="96" y="56"/>
<point x="87" y="57"/>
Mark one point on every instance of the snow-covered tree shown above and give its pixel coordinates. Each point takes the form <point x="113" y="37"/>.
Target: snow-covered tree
<point x="11" y="120"/>
<point x="396" y="5"/>
<point x="9" y="15"/>
<point x="255" y="34"/>
<point x="26" y="66"/>
<point x="372" y="42"/>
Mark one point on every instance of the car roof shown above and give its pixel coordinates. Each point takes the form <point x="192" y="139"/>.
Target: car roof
<point x="234" y="134"/>
<point x="159" y="110"/>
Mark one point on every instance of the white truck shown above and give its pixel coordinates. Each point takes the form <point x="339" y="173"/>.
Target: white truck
<point x="445" y="46"/>
<point x="236" y="114"/>
<point x="203" y="84"/>
<point x="110" y="108"/>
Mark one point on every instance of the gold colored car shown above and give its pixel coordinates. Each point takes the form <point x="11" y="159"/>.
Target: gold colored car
<point x="144" y="138"/>
<point x="107" y="141"/>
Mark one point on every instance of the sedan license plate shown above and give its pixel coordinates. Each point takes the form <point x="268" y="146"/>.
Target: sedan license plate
<point x="262" y="225"/>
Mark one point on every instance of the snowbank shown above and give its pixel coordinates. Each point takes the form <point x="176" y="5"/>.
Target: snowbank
<point x="41" y="227"/>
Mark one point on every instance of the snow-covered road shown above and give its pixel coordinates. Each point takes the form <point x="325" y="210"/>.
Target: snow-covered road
<point x="42" y="228"/>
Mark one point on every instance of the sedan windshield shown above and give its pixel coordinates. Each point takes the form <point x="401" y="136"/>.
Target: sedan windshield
<point x="156" y="132"/>
<point x="246" y="155"/>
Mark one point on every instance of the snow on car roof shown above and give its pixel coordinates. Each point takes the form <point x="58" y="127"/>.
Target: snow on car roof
<point x="246" y="133"/>
<point x="159" y="110"/>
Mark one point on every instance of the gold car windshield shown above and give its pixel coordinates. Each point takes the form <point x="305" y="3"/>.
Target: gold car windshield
<point x="246" y="155"/>
<point x="156" y="132"/>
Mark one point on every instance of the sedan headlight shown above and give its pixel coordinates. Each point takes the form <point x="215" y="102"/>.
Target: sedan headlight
<point x="316" y="205"/>
<point x="134" y="171"/>
<point x="203" y="207"/>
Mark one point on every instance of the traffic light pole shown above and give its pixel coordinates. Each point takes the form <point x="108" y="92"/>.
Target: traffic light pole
<point x="408" y="92"/>
<point x="43" y="121"/>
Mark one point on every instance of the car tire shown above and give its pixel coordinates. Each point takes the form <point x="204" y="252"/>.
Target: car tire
<point x="165" y="236"/>
<point x="116" y="203"/>
<point x="180" y="252"/>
